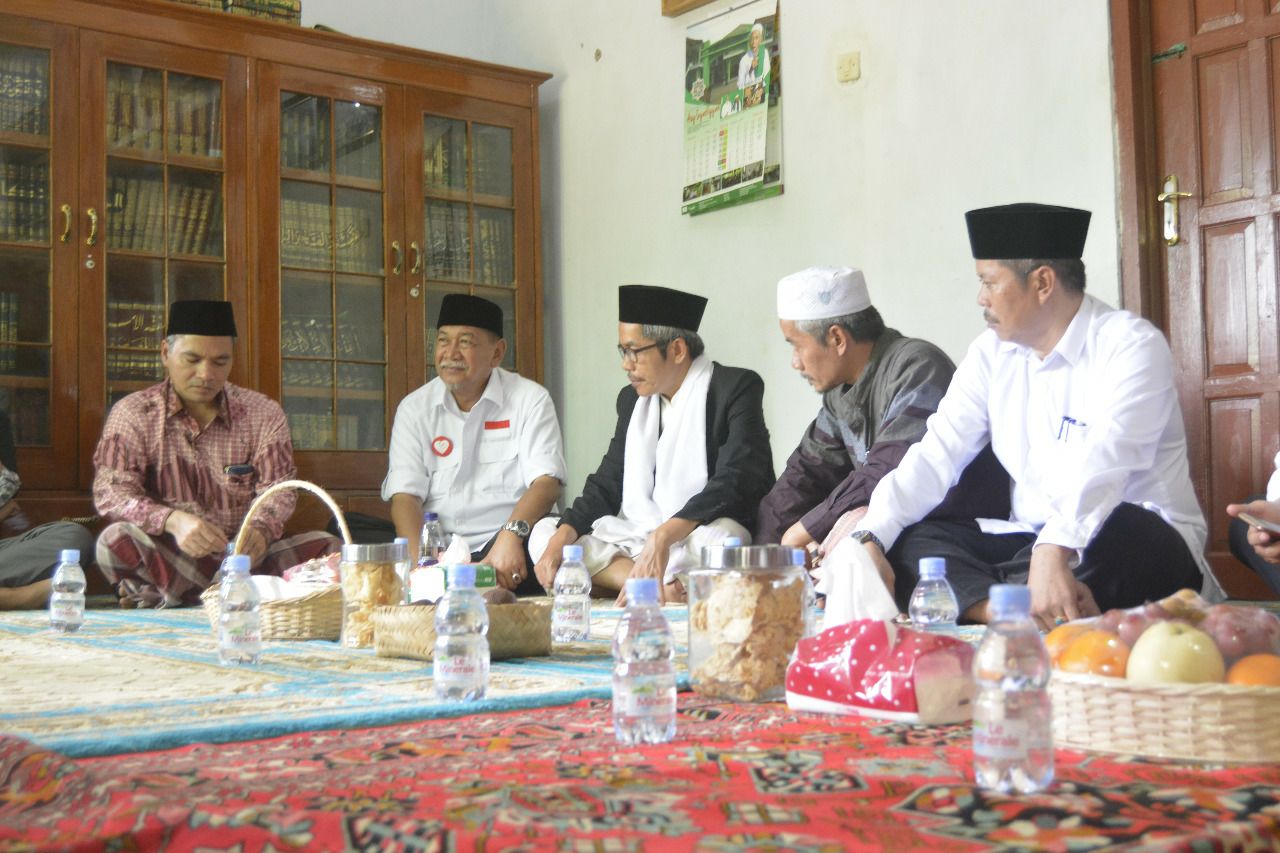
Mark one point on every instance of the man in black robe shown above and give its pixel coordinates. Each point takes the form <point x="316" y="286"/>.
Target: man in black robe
<point x="689" y="461"/>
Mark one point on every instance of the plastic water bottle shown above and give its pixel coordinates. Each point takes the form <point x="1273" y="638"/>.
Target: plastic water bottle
<point x="222" y="567"/>
<point x="402" y="567"/>
<point x="933" y="603"/>
<point x="571" y="612"/>
<point x="239" y="624"/>
<point x="461" y="662"/>
<point x="1012" y="719"/>
<point x="432" y="542"/>
<point x="644" y="674"/>
<point x="66" y="604"/>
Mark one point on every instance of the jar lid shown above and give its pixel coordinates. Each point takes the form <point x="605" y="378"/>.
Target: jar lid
<point x="751" y="557"/>
<point x="379" y="552"/>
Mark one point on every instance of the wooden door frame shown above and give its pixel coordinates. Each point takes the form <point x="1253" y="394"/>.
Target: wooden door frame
<point x="1141" y="237"/>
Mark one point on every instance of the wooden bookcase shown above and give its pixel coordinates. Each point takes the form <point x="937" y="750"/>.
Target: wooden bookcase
<point x="334" y="189"/>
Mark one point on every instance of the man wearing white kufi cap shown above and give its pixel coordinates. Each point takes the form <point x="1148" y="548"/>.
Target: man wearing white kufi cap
<point x="878" y="389"/>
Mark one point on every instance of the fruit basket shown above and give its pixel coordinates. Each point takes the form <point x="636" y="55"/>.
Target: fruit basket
<point x="1195" y="722"/>
<point x="314" y="616"/>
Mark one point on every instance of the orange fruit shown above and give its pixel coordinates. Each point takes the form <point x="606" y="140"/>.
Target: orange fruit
<point x="1057" y="640"/>
<point x="1097" y="652"/>
<point x="1256" y="670"/>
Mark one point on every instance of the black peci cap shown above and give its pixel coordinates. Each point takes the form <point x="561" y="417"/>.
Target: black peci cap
<point x="459" y="309"/>
<point x="210" y="317"/>
<point x="660" y="306"/>
<point x="1026" y="230"/>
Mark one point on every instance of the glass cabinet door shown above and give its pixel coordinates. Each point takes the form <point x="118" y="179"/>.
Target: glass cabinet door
<point x="473" y="199"/>
<point x="26" y="258"/>
<point x="163" y="222"/>
<point x="333" y="342"/>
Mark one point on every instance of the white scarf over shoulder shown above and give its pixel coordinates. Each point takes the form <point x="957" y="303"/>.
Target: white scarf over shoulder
<point x="664" y="465"/>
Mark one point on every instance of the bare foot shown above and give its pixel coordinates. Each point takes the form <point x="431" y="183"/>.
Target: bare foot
<point x="33" y="596"/>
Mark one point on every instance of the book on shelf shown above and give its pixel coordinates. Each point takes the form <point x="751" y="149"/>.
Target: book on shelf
<point x="8" y="331"/>
<point x="24" y="90"/>
<point x="135" y="325"/>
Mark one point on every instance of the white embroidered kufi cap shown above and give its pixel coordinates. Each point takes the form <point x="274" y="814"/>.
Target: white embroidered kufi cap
<point x="818" y="293"/>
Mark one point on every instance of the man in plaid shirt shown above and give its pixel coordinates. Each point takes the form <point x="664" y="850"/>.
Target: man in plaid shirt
<point x="180" y="462"/>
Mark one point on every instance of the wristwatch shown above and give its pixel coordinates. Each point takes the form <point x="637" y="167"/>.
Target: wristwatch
<point x="865" y="536"/>
<point x="519" y="527"/>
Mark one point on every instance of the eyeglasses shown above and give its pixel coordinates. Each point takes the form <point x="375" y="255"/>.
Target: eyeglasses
<point x="632" y="353"/>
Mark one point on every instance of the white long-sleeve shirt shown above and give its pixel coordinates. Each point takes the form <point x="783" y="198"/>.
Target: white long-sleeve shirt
<point x="1093" y="424"/>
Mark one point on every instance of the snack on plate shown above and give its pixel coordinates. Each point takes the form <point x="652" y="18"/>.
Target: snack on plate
<point x="751" y="621"/>
<point x="1179" y="639"/>
<point x="874" y="668"/>
<point x="366" y="585"/>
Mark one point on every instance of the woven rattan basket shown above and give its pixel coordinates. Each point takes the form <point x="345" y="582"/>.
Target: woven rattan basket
<point x="520" y="630"/>
<point x="314" y="616"/>
<point x="1193" y="722"/>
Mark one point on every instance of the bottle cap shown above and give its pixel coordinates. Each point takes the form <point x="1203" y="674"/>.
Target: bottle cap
<point x="400" y="540"/>
<point x="932" y="568"/>
<point x="573" y="552"/>
<point x="642" y="591"/>
<point x="70" y="555"/>
<point x="797" y="556"/>
<point x="238" y="563"/>
<point x="731" y="542"/>
<point x="462" y="576"/>
<point x="1009" y="601"/>
<point x="430" y="516"/>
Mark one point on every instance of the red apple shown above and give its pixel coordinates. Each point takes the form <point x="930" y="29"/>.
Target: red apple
<point x="1132" y="626"/>
<point x="1174" y="651"/>
<point x="1110" y="621"/>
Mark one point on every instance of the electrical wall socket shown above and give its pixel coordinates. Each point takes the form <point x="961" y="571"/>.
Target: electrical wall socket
<point x="848" y="67"/>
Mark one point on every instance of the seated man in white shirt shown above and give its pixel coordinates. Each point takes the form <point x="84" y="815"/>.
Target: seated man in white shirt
<point x="1078" y="402"/>
<point x="478" y="445"/>
<point x="1256" y="546"/>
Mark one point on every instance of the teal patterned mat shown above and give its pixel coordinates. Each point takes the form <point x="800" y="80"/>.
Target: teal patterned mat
<point x="136" y="680"/>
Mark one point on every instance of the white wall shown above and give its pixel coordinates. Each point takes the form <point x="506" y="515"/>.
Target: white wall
<point x="961" y="104"/>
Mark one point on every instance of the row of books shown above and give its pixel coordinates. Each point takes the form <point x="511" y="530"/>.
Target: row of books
<point x="495" y="242"/>
<point x="24" y="201"/>
<point x="24" y="91"/>
<point x="8" y="331"/>
<point x="136" y="112"/>
<point x="28" y="410"/>
<point x="136" y="325"/>
<point x="131" y="366"/>
<point x="313" y="336"/>
<point x="319" y="374"/>
<point x="448" y="246"/>
<point x="316" y="431"/>
<point x="307" y="239"/>
<point x="304" y="135"/>
<point x="136" y="211"/>
<point x="289" y="11"/>
<point x="444" y="164"/>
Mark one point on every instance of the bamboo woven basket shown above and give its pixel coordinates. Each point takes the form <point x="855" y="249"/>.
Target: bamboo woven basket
<point x="520" y="630"/>
<point x="1192" y="722"/>
<point x="314" y="616"/>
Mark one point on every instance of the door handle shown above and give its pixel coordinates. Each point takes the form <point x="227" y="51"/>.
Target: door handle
<point x="66" y="223"/>
<point x="1169" y="198"/>
<point x="396" y="257"/>
<point x="93" y="227"/>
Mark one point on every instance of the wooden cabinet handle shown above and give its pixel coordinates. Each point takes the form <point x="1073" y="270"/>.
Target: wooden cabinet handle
<point x="396" y="257"/>
<point x="415" y="266"/>
<point x="93" y="227"/>
<point x="66" y="223"/>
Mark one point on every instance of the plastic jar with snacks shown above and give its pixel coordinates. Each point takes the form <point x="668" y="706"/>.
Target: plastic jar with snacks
<point x="369" y="579"/>
<point x="747" y="611"/>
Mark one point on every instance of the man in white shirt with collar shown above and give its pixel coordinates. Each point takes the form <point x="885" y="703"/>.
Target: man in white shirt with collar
<point x="479" y="445"/>
<point x="1078" y="402"/>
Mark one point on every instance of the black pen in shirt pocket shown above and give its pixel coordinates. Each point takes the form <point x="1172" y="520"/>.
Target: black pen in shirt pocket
<point x="241" y="470"/>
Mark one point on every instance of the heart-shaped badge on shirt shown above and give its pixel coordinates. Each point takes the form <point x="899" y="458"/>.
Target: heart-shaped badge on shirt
<point x="442" y="445"/>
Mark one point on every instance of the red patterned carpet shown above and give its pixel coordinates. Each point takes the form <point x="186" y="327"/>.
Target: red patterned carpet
<point x="737" y="777"/>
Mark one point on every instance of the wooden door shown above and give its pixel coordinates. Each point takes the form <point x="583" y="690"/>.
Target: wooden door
<point x="473" y="214"/>
<point x="332" y="263"/>
<point x="38" y="254"/>
<point x="162" y="209"/>
<point x="1214" y="75"/>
